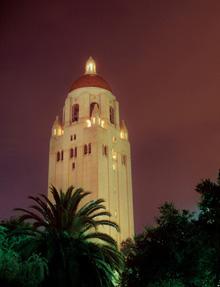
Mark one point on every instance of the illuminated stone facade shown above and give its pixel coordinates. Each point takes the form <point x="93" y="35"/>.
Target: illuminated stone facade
<point x="89" y="148"/>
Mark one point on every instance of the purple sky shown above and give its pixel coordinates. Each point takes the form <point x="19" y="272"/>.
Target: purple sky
<point x="162" y="59"/>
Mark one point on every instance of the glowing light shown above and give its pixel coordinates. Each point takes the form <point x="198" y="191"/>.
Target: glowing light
<point x="123" y="135"/>
<point x="114" y="155"/>
<point x="90" y="66"/>
<point x="114" y="139"/>
<point x="102" y="123"/>
<point x="114" y="166"/>
<point x="93" y="120"/>
<point x="88" y="123"/>
<point x="59" y="132"/>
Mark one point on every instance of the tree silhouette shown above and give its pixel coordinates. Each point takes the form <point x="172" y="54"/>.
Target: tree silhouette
<point x="182" y="249"/>
<point x="67" y="234"/>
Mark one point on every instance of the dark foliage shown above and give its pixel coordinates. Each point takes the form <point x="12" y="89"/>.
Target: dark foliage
<point x="15" y="270"/>
<point x="60" y="243"/>
<point x="68" y="235"/>
<point x="182" y="249"/>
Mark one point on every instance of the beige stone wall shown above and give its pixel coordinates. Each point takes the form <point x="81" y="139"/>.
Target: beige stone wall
<point x="105" y="176"/>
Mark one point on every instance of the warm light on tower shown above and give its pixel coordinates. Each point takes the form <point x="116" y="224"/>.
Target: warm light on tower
<point x="89" y="148"/>
<point x="90" y="66"/>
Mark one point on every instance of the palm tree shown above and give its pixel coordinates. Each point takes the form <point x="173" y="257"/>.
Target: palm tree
<point x="67" y="234"/>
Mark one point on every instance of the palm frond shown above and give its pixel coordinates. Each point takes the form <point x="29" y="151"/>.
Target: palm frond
<point x="56" y="195"/>
<point x="69" y="193"/>
<point x="45" y="208"/>
<point x="41" y="212"/>
<point x="49" y="203"/>
<point x="101" y="236"/>
<point x="77" y="197"/>
<point x="30" y="215"/>
<point x="87" y="209"/>
<point x="113" y="256"/>
<point x="101" y="213"/>
<point x="108" y="223"/>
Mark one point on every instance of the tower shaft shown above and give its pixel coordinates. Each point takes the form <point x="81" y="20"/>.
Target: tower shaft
<point x="89" y="148"/>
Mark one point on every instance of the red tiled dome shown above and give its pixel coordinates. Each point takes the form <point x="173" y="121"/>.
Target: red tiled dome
<point x="90" y="80"/>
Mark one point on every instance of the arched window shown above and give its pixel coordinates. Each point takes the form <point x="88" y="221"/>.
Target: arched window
<point x="85" y="148"/>
<point x="58" y="156"/>
<point x="112" y="115"/>
<point x="75" y="113"/>
<point x="92" y="105"/>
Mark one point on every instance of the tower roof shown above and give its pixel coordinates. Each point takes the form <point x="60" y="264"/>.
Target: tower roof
<point x="90" y="78"/>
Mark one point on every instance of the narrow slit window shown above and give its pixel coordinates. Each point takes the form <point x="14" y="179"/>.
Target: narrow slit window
<point x="73" y="165"/>
<point x="124" y="159"/>
<point x="75" y="152"/>
<point x="90" y="148"/>
<point x="85" y="149"/>
<point x="105" y="150"/>
<point x="112" y="115"/>
<point x="62" y="155"/>
<point x="71" y="153"/>
<point x="58" y="156"/>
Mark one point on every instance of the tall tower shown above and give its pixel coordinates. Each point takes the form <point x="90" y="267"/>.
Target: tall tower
<point x="89" y="148"/>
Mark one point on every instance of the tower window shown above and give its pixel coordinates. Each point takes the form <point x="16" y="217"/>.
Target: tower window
<point x="62" y="155"/>
<point x="73" y="165"/>
<point x="92" y="105"/>
<point x="90" y="147"/>
<point x="75" y="113"/>
<point x="112" y="115"/>
<point x="85" y="149"/>
<point x="105" y="150"/>
<point x="123" y="159"/>
<point x="73" y="152"/>
<point x="58" y="156"/>
<point x="73" y="137"/>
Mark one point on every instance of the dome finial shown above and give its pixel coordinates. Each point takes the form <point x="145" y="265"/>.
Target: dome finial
<point x="90" y="67"/>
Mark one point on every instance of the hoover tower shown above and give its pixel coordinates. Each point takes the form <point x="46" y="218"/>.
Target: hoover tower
<point x="89" y="148"/>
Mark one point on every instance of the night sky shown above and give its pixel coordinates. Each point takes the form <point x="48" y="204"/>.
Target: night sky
<point x="162" y="60"/>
